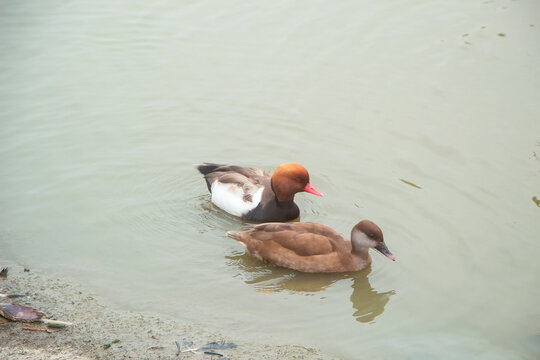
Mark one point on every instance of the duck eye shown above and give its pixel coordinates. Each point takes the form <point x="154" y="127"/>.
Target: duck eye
<point x="372" y="235"/>
<point x="297" y="179"/>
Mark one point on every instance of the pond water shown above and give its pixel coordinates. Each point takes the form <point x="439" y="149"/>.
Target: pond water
<point x="423" y="116"/>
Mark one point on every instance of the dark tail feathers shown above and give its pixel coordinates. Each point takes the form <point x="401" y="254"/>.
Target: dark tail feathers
<point x="206" y="168"/>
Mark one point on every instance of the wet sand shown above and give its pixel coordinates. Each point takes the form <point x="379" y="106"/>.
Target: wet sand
<point x="130" y="335"/>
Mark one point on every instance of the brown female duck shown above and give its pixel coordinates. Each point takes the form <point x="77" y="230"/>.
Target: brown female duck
<point x="312" y="247"/>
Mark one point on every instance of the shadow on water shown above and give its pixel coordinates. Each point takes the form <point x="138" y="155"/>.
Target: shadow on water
<point x="366" y="301"/>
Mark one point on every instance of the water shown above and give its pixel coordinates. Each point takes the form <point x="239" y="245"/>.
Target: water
<point x="422" y="116"/>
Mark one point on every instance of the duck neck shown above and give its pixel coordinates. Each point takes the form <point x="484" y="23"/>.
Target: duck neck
<point x="281" y="196"/>
<point x="360" y="251"/>
<point x="361" y="243"/>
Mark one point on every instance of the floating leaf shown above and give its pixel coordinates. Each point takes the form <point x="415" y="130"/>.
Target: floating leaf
<point x="410" y="183"/>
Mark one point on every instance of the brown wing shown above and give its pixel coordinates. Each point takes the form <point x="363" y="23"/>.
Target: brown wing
<point x="249" y="179"/>
<point x="303" y="239"/>
<point x="210" y="171"/>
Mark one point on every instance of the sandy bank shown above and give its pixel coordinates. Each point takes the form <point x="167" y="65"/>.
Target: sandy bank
<point x="140" y="336"/>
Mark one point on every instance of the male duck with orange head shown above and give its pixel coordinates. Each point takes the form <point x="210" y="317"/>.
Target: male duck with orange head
<point x="254" y="194"/>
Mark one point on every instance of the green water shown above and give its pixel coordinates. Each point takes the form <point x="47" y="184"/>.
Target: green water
<point x="417" y="115"/>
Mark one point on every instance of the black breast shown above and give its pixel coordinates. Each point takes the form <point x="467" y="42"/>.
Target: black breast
<point x="273" y="211"/>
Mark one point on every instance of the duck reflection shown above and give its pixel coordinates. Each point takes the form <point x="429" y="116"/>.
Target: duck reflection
<point x="366" y="301"/>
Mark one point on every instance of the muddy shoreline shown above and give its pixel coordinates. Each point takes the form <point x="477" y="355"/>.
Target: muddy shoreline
<point x="100" y="332"/>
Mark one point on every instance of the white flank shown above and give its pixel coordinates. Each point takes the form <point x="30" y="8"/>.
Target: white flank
<point x="230" y="197"/>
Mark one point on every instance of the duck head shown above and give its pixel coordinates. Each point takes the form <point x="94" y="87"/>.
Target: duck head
<point x="366" y="234"/>
<point x="289" y="179"/>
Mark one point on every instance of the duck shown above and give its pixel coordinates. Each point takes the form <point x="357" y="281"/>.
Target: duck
<point x="255" y="195"/>
<point x="313" y="247"/>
